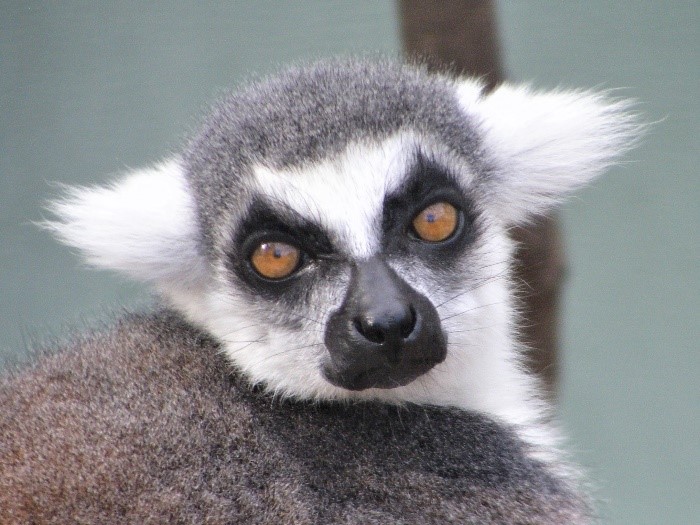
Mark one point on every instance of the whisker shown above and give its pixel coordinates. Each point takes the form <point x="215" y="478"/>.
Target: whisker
<point x="286" y="312"/>
<point x="238" y="350"/>
<point x="287" y="350"/>
<point x="473" y="329"/>
<point x="469" y="310"/>
<point x="481" y="284"/>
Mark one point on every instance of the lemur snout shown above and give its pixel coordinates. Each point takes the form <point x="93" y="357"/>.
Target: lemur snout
<point x="384" y="335"/>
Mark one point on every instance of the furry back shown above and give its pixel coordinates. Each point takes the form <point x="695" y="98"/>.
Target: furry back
<point x="145" y="423"/>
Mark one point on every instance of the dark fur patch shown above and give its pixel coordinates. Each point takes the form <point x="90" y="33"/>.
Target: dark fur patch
<point x="265" y="223"/>
<point x="146" y="423"/>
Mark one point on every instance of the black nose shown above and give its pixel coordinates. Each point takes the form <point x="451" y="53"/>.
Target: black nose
<point x="387" y="323"/>
<point x="384" y="313"/>
<point x="384" y="335"/>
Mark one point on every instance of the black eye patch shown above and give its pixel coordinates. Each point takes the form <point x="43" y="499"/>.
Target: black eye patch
<point x="428" y="183"/>
<point x="263" y="218"/>
<point x="263" y="223"/>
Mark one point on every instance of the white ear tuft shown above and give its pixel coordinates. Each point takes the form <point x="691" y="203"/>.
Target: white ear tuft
<point x="144" y="226"/>
<point x="545" y="145"/>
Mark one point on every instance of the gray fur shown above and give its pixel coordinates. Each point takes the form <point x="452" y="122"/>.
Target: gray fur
<point x="309" y="113"/>
<point x="145" y="423"/>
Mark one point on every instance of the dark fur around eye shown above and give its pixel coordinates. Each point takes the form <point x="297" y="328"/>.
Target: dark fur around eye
<point x="263" y="224"/>
<point x="427" y="184"/>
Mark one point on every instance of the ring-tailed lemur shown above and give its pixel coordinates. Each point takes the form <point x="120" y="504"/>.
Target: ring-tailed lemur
<point x="338" y="341"/>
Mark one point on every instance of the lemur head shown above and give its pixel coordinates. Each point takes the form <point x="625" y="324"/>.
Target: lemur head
<point x="342" y="228"/>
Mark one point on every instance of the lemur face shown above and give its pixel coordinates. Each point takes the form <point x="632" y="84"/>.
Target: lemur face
<point x="341" y="228"/>
<point x="336" y="275"/>
<point x="381" y="332"/>
<point x="351" y="258"/>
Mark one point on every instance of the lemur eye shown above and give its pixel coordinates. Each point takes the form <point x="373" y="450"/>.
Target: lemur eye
<point x="437" y="222"/>
<point x="275" y="260"/>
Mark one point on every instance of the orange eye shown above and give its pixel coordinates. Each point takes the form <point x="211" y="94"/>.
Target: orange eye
<point x="436" y="222"/>
<point x="275" y="260"/>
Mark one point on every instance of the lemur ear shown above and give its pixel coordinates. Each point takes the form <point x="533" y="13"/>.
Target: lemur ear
<point x="143" y="225"/>
<point x="543" y="145"/>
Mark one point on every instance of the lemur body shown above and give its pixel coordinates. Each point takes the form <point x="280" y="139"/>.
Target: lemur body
<point x="336" y="236"/>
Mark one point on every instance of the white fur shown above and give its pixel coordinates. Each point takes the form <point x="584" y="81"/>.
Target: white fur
<point x="544" y="145"/>
<point x="143" y="226"/>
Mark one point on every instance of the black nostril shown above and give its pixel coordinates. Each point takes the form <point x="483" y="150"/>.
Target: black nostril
<point x="409" y="323"/>
<point x="369" y="330"/>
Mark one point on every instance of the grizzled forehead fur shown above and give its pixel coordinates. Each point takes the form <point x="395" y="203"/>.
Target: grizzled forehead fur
<point x="310" y="113"/>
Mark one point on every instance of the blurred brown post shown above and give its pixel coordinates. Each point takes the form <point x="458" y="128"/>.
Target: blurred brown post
<point x="461" y="36"/>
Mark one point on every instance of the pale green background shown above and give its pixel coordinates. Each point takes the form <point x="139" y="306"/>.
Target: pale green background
<point x="90" y="88"/>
